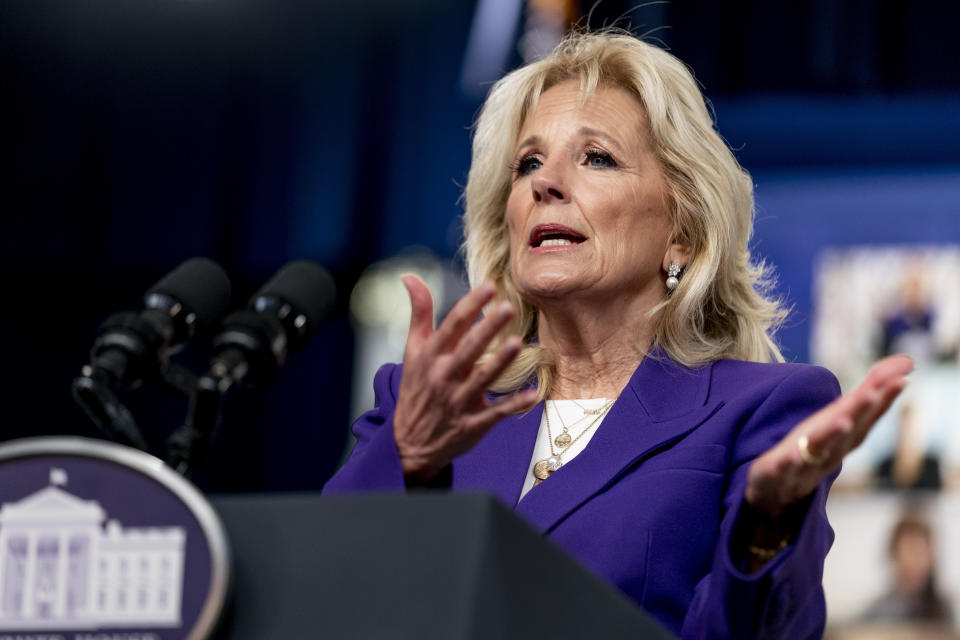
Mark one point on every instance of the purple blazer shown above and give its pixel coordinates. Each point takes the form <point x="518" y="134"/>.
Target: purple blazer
<point x="651" y="504"/>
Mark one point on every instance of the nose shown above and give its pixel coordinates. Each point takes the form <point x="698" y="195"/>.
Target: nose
<point x="548" y="188"/>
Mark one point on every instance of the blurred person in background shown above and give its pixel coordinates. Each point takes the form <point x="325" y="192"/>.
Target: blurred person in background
<point x="908" y="325"/>
<point x="913" y="597"/>
<point x="622" y="390"/>
<point x="911" y="466"/>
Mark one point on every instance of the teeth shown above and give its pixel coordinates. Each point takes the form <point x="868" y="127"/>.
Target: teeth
<point x="556" y="242"/>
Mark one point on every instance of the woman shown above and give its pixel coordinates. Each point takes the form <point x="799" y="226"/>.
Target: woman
<point x="913" y="596"/>
<point x="607" y="229"/>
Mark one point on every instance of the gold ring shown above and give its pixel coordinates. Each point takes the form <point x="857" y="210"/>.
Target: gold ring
<point x="803" y="444"/>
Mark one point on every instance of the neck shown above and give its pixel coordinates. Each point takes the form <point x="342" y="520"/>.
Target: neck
<point x="596" y="350"/>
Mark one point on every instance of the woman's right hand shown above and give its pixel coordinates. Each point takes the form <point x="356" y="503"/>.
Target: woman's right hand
<point x="442" y="411"/>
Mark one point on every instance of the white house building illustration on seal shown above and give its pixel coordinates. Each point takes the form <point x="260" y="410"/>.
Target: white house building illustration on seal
<point x="63" y="567"/>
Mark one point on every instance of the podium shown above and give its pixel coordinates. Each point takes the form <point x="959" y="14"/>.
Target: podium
<point x="421" y="565"/>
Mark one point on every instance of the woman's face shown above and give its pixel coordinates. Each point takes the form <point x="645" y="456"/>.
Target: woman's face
<point x="588" y="208"/>
<point x="913" y="561"/>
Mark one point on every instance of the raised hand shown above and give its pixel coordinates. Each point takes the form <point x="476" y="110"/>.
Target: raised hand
<point x="815" y="448"/>
<point x="442" y="410"/>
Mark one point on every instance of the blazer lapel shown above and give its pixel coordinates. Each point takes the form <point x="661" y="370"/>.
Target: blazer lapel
<point x="498" y="464"/>
<point x="662" y="403"/>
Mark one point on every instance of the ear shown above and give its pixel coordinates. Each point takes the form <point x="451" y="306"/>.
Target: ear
<point x="677" y="252"/>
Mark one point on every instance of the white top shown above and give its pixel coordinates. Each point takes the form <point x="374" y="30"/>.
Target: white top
<point x="580" y="426"/>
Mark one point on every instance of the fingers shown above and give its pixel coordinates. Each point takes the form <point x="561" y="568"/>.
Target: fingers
<point x="481" y="377"/>
<point x="850" y="417"/>
<point x="825" y="452"/>
<point x="421" y="314"/>
<point x="475" y="342"/>
<point x="891" y="367"/>
<point x="883" y="383"/>
<point x="887" y="379"/>
<point x="462" y="316"/>
<point x="835" y="423"/>
<point x="504" y="407"/>
<point x="881" y="403"/>
<point x="786" y="473"/>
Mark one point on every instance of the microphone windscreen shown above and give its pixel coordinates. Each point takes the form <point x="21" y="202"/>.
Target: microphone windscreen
<point x="201" y="286"/>
<point x="305" y="286"/>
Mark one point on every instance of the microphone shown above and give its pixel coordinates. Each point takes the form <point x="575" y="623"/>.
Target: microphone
<point x="135" y="346"/>
<point x="186" y="302"/>
<point x="279" y="319"/>
<point x="250" y="348"/>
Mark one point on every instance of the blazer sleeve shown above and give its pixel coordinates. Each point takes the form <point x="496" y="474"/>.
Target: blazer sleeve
<point x="374" y="464"/>
<point x="784" y="600"/>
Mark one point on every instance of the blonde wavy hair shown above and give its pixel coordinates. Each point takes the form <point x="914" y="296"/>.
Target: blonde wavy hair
<point x="722" y="307"/>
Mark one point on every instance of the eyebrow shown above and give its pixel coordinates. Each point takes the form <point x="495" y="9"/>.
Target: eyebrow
<point x="590" y="132"/>
<point x="530" y="141"/>
<point x="587" y="132"/>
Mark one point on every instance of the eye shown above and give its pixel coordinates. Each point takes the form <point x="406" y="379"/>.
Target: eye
<point x="600" y="159"/>
<point x="527" y="164"/>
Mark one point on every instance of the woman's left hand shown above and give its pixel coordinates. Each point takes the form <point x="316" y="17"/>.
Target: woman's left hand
<point x="814" y="449"/>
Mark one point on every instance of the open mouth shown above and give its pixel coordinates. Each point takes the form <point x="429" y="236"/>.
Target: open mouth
<point x="554" y="235"/>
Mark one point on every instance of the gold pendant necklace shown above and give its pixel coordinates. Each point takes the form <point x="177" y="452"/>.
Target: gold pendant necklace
<point x="589" y="412"/>
<point x="544" y="468"/>
<point x="564" y="439"/>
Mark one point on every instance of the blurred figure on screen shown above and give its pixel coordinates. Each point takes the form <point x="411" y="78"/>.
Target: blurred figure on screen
<point x="913" y="597"/>
<point x="908" y="327"/>
<point x="910" y="466"/>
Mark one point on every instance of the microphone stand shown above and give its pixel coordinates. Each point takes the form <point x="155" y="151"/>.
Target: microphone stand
<point x="187" y="445"/>
<point x="93" y="393"/>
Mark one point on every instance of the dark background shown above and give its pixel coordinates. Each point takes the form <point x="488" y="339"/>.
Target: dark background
<point x="138" y="134"/>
